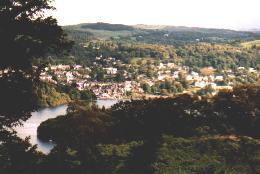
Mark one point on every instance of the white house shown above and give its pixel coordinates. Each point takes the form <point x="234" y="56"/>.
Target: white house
<point x="111" y="70"/>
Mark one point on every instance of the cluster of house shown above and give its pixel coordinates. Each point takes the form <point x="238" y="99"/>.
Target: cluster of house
<point x="217" y="82"/>
<point x="65" y="74"/>
<point x="80" y="75"/>
<point x="173" y="72"/>
<point x="114" y="90"/>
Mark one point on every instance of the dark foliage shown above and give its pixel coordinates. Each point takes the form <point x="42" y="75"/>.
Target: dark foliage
<point x="184" y="134"/>
<point x="25" y="34"/>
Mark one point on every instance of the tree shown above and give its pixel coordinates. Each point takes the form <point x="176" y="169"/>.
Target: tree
<point x="120" y="76"/>
<point x="26" y="33"/>
<point x="146" y="87"/>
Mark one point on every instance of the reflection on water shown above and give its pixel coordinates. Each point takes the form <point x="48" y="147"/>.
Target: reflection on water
<point x="29" y="127"/>
<point x="106" y="103"/>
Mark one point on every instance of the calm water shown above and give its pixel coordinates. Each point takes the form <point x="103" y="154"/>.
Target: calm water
<point x="29" y="127"/>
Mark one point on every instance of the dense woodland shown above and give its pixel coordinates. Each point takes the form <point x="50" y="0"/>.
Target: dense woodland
<point x="183" y="134"/>
<point x="50" y="95"/>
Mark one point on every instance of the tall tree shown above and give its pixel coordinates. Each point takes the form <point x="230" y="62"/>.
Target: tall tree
<point x="26" y="33"/>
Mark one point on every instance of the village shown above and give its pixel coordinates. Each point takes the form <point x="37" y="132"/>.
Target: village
<point x="109" y="78"/>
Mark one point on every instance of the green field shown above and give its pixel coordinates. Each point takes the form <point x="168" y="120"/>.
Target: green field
<point x="251" y="43"/>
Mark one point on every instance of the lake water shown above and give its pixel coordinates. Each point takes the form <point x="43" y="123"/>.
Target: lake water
<point x="29" y="127"/>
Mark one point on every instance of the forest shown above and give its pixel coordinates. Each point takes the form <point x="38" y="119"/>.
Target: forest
<point x="183" y="134"/>
<point x="51" y="95"/>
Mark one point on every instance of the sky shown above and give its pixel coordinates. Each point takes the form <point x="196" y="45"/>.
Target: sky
<point x="230" y="14"/>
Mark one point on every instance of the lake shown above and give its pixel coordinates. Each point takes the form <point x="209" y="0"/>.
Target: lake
<point x="29" y="127"/>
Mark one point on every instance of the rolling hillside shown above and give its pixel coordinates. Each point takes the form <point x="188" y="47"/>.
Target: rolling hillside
<point x="189" y="46"/>
<point x="161" y="34"/>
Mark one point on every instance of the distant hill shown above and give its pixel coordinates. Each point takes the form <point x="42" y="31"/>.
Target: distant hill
<point x="101" y="30"/>
<point x="182" y="33"/>
<point x="160" y="34"/>
<point x="109" y="27"/>
<point x="188" y="46"/>
<point x="254" y="30"/>
<point x="150" y="27"/>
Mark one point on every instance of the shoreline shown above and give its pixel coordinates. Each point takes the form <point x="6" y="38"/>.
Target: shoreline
<point x="148" y="96"/>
